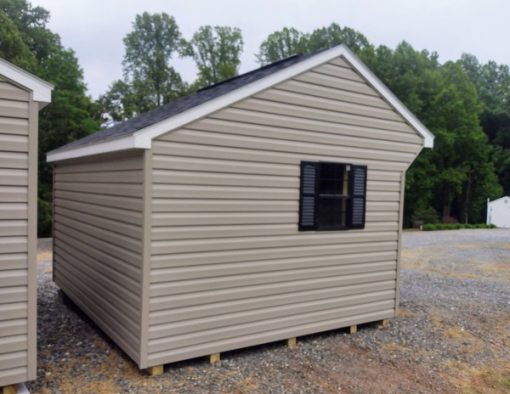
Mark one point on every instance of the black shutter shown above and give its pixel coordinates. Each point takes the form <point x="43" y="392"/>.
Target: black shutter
<point x="308" y="196"/>
<point x="357" y="202"/>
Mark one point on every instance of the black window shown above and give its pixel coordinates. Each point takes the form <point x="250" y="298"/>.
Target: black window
<point x="332" y="196"/>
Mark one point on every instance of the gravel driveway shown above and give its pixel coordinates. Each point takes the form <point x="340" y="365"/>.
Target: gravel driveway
<point x="452" y="335"/>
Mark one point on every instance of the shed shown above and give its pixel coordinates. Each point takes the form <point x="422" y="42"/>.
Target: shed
<point x="21" y="96"/>
<point x="498" y="212"/>
<point x="262" y="208"/>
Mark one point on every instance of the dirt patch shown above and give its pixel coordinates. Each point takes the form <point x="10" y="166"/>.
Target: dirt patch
<point x="44" y="256"/>
<point x="87" y="387"/>
<point x="480" y="379"/>
<point x="406" y="313"/>
<point x="399" y="376"/>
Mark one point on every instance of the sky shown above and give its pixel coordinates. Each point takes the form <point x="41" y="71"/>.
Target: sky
<point x="94" y="29"/>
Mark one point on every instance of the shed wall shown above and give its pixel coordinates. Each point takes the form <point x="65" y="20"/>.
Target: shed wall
<point x="228" y="267"/>
<point x="498" y="212"/>
<point x="98" y="204"/>
<point x="18" y="238"/>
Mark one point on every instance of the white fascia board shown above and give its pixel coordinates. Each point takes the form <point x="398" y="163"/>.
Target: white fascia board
<point x="142" y="139"/>
<point x="118" y="144"/>
<point x="41" y="90"/>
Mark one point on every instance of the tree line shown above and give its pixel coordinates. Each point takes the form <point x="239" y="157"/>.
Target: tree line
<point x="465" y="103"/>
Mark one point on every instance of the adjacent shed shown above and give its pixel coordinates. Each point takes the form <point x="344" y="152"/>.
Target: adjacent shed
<point x="21" y="97"/>
<point x="262" y="208"/>
<point x="498" y="212"/>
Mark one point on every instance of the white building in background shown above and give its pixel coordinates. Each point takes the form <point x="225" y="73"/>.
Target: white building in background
<point x="498" y="212"/>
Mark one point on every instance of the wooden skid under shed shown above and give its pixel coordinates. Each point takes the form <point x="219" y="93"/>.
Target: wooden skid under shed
<point x="215" y="358"/>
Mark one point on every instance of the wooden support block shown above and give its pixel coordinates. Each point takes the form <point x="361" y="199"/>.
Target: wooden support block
<point x="10" y="389"/>
<point x="215" y="358"/>
<point x="353" y="329"/>
<point x="383" y="323"/>
<point x="292" y="343"/>
<point x="156" y="370"/>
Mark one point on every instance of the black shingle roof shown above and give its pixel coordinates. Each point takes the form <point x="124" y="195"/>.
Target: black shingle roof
<point x="180" y="105"/>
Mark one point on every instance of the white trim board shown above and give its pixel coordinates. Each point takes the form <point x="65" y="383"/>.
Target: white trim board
<point x="41" y="90"/>
<point x="142" y="139"/>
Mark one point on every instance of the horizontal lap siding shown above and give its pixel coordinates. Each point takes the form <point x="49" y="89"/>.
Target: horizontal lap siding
<point x="229" y="268"/>
<point x="14" y="235"/>
<point x="98" y="241"/>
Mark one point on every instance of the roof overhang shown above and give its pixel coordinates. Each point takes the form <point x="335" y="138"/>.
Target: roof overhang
<point x="142" y="139"/>
<point x="41" y="90"/>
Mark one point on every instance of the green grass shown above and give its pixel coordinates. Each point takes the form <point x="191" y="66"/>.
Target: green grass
<point x="455" y="226"/>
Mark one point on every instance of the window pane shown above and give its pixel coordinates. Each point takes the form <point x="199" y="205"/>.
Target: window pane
<point x="330" y="186"/>
<point x="332" y="170"/>
<point x="331" y="178"/>
<point x="331" y="212"/>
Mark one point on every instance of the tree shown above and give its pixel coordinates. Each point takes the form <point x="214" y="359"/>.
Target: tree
<point x="12" y="46"/>
<point x="289" y="41"/>
<point x="457" y="175"/>
<point x="466" y="173"/>
<point x="118" y="102"/>
<point x="149" y="79"/>
<point x="413" y="76"/>
<point x="492" y="82"/>
<point x="216" y="51"/>
<point x="334" y="34"/>
<point x="149" y="48"/>
<point x="280" y="45"/>
<point x="72" y="114"/>
<point x="31" y="23"/>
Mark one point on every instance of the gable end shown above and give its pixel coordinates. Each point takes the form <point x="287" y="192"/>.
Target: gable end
<point x="142" y="139"/>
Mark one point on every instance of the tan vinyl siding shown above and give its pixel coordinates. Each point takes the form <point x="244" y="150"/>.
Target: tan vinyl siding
<point x="228" y="266"/>
<point x="18" y="171"/>
<point x="98" y="231"/>
<point x="9" y="91"/>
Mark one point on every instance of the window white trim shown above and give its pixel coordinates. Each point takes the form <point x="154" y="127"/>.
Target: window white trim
<point x="143" y="138"/>
<point x="41" y="90"/>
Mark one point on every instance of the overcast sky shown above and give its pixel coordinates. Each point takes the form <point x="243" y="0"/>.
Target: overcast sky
<point x="95" y="28"/>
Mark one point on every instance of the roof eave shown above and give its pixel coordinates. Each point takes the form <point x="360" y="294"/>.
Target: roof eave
<point x="114" y="145"/>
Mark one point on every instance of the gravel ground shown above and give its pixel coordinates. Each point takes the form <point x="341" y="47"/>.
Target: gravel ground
<point x="452" y="335"/>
